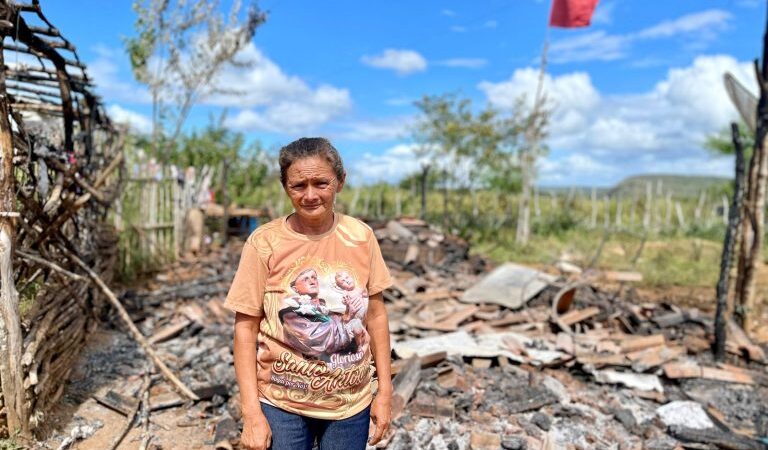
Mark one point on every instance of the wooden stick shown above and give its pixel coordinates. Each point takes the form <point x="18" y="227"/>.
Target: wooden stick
<point x="131" y="416"/>
<point x="49" y="265"/>
<point x="132" y="327"/>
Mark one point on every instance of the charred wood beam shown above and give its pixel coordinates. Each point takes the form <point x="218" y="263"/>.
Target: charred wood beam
<point x="32" y="90"/>
<point x="19" y="97"/>
<point x="33" y="74"/>
<point x="34" y="52"/>
<point x="49" y="31"/>
<point x="25" y="35"/>
<point x="733" y="230"/>
<point x="27" y="7"/>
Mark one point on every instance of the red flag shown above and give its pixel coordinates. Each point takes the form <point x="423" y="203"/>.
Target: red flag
<point x="571" y="13"/>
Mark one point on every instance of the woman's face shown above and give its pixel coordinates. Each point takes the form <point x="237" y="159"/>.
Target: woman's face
<point x="311" y="184"/>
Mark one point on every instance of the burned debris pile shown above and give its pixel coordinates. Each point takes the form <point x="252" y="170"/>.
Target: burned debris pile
<point x="484" y="358"/>
<point x="520" y="358"/>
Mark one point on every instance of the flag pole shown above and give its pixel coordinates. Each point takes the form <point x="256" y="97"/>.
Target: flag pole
<point x="542" y="65"/>
<point x="532" y="137"/>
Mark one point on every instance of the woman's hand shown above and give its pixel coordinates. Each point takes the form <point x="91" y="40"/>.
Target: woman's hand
<point x="256" y="433"/>
<point x="381" y="416"/>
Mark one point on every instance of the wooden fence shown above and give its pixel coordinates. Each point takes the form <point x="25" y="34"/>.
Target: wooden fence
<point x="150" y="214"/>
<point x="149" y="218"/>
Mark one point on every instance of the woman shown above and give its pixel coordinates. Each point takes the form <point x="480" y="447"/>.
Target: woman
<point x="302" y="352"/>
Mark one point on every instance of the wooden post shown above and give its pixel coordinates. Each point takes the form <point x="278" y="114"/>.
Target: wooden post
<point x="648" y="206"/>
<point x="11" y="375"/>
<point x="353" y="204"/>
<point x="618" y="211"/>
<point x="424" y="175"/>
<point x="657" y="209"/>
<point x="367" y="202"/>
<point x="224" y="201"/>
<point x="398" y="205"/>
<point x="700" y="206"/>
<point x="668" y="210"/>
<point x="734" y="223"/>
<point x="593" y="222"/>
<point x="680" y="215"/>
<point x="606" y="212"/>
<point x="633" y="209"/>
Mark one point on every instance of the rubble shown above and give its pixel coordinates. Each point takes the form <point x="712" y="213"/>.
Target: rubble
<point x="573" y="367"/>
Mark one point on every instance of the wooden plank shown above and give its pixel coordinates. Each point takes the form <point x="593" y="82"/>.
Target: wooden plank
<point x="433" y="407"/>
<point x="430" y="360"/>
<point x="603" y="360"/>
<point x="579" y="315"/>
<point x="510" y="319"/>
<point x="404" y="384"/>
<point x="433" y="295"/>
<point x="677" y="370"/>
<point x="564" y="342"/>
<point x="169" y="331"/>
<point x="649" y="358"/>
<point x="742" y="341"/>
<point x="639" y="343"/>
<point x="615" y="275"/>
<point x="713" y="373"/>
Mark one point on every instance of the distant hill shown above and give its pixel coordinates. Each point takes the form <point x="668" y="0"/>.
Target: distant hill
<point x="681" y="185"/>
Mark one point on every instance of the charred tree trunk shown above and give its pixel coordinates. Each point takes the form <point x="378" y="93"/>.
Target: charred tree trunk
<point x="754" y="207"/>
<point x="734" y="224"/>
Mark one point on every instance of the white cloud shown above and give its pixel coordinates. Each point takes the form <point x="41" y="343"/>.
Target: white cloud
<point x="404" y="62"/>
<point x="571" y="91"/>
<point x="377" y="130"/>
<point x="274" y="101"/>
<point x="593" y="46"/>
<point x="393" y="164"/>
<point x="458" y="29"/>
<point x="660" y="130"/>
<point x="134" y="120"/>
<point x="490" y="24"/>
<point x="704" y="21"/>
<point x="699" y="27"/>
<point x="107" y="75"/>
<point x="448" y="12"/>
<point x="294" y="114"/>
<point x="467" y="63"/>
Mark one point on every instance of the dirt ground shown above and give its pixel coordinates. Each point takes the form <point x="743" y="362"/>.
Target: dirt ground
<point x="109" y="361"/>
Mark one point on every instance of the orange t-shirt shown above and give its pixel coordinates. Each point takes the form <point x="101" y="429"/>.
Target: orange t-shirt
<point x="312" y="294"/>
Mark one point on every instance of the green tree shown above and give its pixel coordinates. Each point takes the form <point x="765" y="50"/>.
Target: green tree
<point x="247" y="165"/>
<point x="722" y="141"/>
<point x="474" y="148"/>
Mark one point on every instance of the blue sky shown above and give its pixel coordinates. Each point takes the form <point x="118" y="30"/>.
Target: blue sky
<point x="636" y="92"/>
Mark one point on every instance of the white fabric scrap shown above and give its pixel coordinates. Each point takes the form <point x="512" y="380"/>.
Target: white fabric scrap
<point x="644" y="382"/>
<point x="685" y="413"/>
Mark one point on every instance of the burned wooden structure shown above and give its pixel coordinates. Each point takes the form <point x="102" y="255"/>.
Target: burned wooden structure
<point x="60" y="156"/>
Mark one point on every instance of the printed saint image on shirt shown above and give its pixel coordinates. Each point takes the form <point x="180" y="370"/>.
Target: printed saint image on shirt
<point x="322" y="317"/>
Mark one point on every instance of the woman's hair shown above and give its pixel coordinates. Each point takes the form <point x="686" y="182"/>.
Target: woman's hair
<point x="307" y="148"/>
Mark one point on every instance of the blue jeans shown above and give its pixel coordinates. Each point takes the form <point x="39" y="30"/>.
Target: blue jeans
<point x="294" y="432"/>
